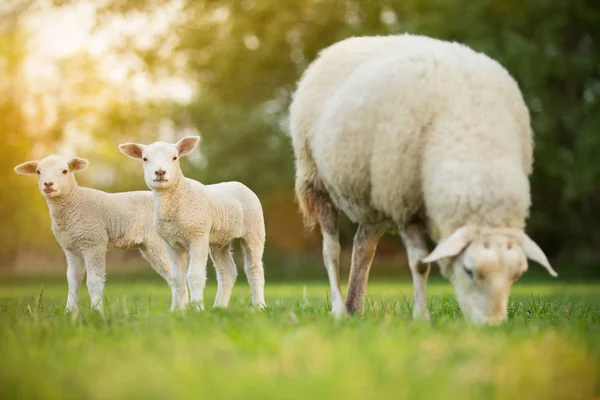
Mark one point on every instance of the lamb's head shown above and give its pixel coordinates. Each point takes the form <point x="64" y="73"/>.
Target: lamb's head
<point x="161" y="160"/>
<point x="55" y="174"/>
<point x="482" y="265"/>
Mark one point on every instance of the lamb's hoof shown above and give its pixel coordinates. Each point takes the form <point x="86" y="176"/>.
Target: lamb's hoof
<point x="421" y="315"/>
<point x="73" y="310"/>
<point x="196" y="306"/>
<point x="338" y="311"/>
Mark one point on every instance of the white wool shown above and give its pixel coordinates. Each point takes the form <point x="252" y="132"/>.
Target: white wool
<point x="195" y="219"/>
<point x="403" y="130"/>
<point x="86" y="222"/>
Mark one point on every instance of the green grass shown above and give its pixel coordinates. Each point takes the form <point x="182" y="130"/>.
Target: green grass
<point x="549" y="349"/>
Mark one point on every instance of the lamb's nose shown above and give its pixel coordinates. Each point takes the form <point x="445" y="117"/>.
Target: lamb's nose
<point x="160" y="173"/>
<point x="48" y="184"/>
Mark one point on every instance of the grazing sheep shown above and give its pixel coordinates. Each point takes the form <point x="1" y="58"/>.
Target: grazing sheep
<point x="195" y="219"/>
<point x="406" y="133"/>
<point x="86" y="222"/>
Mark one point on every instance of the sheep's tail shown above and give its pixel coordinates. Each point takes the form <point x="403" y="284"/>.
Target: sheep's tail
<point x="310" y="192"/>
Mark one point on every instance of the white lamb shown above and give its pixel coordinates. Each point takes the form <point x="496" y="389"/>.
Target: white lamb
<point x="195" y="220"/>
<point x="407" y="133"/>
<point x="86" y="222"/>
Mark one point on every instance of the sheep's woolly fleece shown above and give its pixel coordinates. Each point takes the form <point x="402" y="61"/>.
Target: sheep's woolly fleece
<point x="393" y="126"/>
<point x="86" y="222"/>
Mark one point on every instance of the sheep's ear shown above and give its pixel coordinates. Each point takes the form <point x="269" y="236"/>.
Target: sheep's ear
<point x="27" y="168"/>
<point x="187" y="145"/>
<point x="452" y="245"/>
<point x="535" y="253"/>
<point x="78" y="164"/>
<point x="132" y="150"/>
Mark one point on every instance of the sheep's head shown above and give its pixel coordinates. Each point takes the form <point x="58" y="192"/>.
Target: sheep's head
<point x="161" y="160"/>
<point x="482" y="265"/>
<point x="55" y="174"/>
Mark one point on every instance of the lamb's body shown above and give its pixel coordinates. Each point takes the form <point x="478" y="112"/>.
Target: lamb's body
<point x="225" y="211"/>
<point x="196" y="220"/>
<point x="87" y="217"/>
<point x="403" y="132"/>
<point x="87" y="222"/>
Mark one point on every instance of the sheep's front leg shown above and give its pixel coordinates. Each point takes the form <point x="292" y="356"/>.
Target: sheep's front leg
<point x="75" y="272"/>
<point x="413" y="237"/>
<point x="95" y="264"/>
<point x="178" y="260"/>
<point x="196" y="275"/>
<point x="363" y="252"/>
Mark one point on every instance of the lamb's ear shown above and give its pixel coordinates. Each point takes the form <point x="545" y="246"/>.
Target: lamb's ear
<point x="132" y="150"/>
<point x="533" y="252"/>
<point x="27" y="168"/>
<point x="78" y="164"/>
<point x="187" y="145"/>
<point x="452" y="245"/>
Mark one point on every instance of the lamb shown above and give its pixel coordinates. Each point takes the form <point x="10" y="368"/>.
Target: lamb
<point x="196" y="220"/>
<point x="86" y="222"/>
<point x="411" y="134"/>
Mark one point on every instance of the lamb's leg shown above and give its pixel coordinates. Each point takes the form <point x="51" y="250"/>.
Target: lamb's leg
<point x="413" y="237"/>
<point x="95" y="264"/>
<point x="178" y="261"/>
<point x="75" y="272"/>
<point x="327" y="214"/>
<point x="155" y="253"/>
<point x="255" y="273"/>
<point x="226" y="274"/>
<point x="363" y="251"/>
<point x="196" y="275"/>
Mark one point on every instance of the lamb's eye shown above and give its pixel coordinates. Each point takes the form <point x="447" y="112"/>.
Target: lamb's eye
<point x="38" y="172"/>
<point x="468" y="272"/>
<point x="65" y="171"/>
<point x="145" y="159"/>
<point x="174" y="158"/>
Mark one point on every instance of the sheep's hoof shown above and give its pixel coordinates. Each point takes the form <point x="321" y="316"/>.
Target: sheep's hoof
<point x="339" y="311"/>
<point x="421" y="315"/>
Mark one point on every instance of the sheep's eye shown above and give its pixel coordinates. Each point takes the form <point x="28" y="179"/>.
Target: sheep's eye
<point x="145" y="159"/>
<point x="38" y="172"/>
<point x="468" y="272"/>
<point x="174" y="158"/>
<point x="65" y="171"/>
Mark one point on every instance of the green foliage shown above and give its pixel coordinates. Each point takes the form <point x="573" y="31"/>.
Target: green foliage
<point x="246" y="57"/>
<point x="295" y="349"/>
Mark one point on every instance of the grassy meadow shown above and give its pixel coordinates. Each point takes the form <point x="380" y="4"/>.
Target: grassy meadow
<point x="549" y="349"/>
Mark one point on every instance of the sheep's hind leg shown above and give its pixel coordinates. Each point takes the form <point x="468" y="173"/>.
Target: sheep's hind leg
<point x="226" y="274"/>
<point x="363" y="252"/>
<point x="154" y="252"/>
<point x="327" y="215"/>
<point x="413" y="237"/>
<point x="255" y="273"/>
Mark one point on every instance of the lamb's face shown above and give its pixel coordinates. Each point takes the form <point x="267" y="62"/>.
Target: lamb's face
<point x="160" y="160"/>
<point x="482" y="265"/>
<point x="55" y="174"/>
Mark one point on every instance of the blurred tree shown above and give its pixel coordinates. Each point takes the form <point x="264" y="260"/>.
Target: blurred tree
<point x="244" y="57"/>
<point x="247" y="55"/>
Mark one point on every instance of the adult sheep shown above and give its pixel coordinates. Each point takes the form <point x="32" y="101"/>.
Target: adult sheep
<point x="413" y="134"/>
